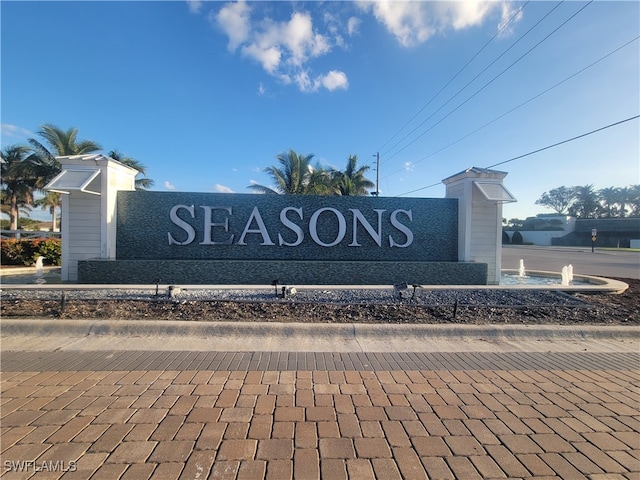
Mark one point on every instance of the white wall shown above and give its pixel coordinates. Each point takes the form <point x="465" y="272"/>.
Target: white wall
<point x="81" y="232"/>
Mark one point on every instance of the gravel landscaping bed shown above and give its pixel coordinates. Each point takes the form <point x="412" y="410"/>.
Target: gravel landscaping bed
<point x="420" y="305"/>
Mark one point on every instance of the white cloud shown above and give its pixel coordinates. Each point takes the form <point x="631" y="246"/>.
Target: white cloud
<point x="169" y="186"/>
<point x="282" y="48"/>
<point x="461" y="15"/>
<point x="222" y="188"/>
<point x="408" y="166"/>
<point x="335" y="80"/>
<point x="15" y="132"/>
<point x="353" y="26"/>
<point x="508" y="11"/>
<point x="233" y="18"/>
<point x="413" y="23"/>
<point x="268" y="57"/>
<point x="261" y="89"/>
<point x="194" y="5"/>
<point x="407" y="21"/>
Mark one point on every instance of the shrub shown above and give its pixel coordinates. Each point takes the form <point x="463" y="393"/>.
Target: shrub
<point x="505" y="238"/>
<point x="50" y="249"/>
<point x="516" y="238"/>
<point x="26" y="251"/>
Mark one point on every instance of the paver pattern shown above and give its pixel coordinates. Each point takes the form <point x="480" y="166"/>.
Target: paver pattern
<point x="134" y="421"/>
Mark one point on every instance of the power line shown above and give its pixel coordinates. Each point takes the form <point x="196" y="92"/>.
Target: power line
<point x="539" y="150"/>
<point x="565" y="141"/>
<point x="470" y="82"/>
<point x="520" y="105"/>
<point x="488" y="83"/>
<point x="456" y="75"/>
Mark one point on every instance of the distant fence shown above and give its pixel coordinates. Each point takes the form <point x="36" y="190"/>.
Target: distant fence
<point x="22" y="234"/>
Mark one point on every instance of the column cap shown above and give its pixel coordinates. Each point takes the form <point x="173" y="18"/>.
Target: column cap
<point x="475" y="172"/>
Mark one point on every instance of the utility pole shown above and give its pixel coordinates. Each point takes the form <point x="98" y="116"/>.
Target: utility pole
<point x="377" y="192"/>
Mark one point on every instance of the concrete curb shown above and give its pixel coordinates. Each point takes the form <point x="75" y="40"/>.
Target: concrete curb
<point x="169" y="328"/>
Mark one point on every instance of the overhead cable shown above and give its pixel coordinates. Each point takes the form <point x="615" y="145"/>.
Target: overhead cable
<point x="538" y="150"/>
<point x="489" y="82"/>
<point x="456" y="75"/>
<point x="519" y="106"/>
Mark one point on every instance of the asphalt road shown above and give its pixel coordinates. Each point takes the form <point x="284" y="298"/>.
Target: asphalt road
<point x="604" y="263"/>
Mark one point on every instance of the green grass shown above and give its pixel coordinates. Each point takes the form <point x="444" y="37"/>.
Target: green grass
<point x="612" y="249"/>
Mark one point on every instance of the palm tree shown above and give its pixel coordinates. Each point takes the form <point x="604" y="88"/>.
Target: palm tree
<point x="50" y="201"/>
<point x="626" y="197"/>
<point x="64" y="142"/>
<point x="295" y="176"/>
<point x="141" y="183"/>
<point x="633" y="200"/>
<point x="609" y="197"/>
<point x="352" y="181"/>
<point x="20" y="176"/>
<point x="586" y="202"/>
<point x="61" y="143"/>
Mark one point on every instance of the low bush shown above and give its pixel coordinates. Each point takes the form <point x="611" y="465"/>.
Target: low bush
<point x="26" y="251"/>
<point x="516" y="238"/>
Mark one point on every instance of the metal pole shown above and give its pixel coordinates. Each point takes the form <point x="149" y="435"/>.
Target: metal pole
<point x="377" y="174"/>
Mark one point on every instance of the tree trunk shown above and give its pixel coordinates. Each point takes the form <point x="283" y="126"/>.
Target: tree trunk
<point x="13" y="213"/>
<point x="53" y="218"/>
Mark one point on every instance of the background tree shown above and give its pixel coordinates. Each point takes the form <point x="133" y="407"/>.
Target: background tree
<point x="20" y="175"/>
<point x="295" y="176"/>
<point x="142" y="182"/>
<point x="609" y="199"/>
<point x="585" y="203"/>
<point x="633" y="200"/>
<point x="558" y="199"/>
<point x="352" y="180"/>
<point x="51" y="201"/>
<point x="58" y="143"/>
<point x="626" y="198"/>
<point x="63" y="142"/>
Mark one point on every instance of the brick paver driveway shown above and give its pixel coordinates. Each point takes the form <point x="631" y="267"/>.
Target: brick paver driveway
<point x="197" y="415"/>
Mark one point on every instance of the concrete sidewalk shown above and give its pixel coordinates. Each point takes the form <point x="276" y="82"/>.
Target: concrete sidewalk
<point x="103" y="400"/>
<point x="98" y="335"/>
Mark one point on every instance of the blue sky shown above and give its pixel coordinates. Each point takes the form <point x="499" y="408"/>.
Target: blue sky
<point x="206" y="94"/>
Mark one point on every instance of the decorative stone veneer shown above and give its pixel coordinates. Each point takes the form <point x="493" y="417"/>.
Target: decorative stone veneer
<point x="287" y="272"/>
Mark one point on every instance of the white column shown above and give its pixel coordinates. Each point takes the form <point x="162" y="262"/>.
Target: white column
<point x="90" y="184"/>
<point x="480" y="195"/>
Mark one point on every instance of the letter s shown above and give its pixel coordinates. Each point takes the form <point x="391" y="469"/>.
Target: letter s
<point x="403" y="228"/>
<point x="191" y="233"/>
<point x="292" y="226"/>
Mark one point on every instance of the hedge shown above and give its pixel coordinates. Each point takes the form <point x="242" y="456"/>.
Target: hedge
<point x="26" y="251"/>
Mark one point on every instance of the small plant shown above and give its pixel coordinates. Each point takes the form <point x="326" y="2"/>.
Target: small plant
<point x="26" y="251"/>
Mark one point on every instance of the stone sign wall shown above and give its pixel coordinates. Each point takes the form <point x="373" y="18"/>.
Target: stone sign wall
<point x="113" y="234"/>
<point x="200" y="238"/>
<point x="192" y="226"/>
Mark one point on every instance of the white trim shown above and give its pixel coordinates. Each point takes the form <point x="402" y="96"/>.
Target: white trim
<point x="495" y="192"/>
<point x="62" y="182"/>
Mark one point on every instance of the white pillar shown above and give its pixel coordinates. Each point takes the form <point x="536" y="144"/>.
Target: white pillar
<point x="480" y="195"/>
<point x="90" y="184"/>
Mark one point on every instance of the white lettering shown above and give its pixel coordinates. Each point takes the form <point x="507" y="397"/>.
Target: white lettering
<point x="358" y="217"/>
<point x="291" y="234"/>
<point x="209" y="224"/>
<point x="289" y="224"/>
<point x="262" y="229"/>
<point x="313" y="227"/>
<point x="191" y="233"/>
<point x="403" y="228"/>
